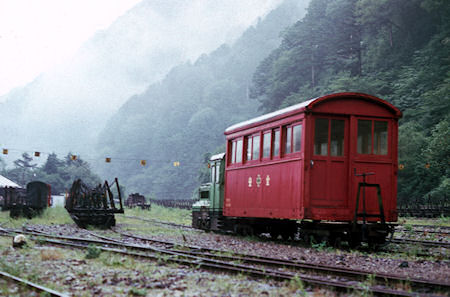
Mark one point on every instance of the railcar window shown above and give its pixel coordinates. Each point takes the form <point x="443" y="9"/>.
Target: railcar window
<point x="293" y="139"/>
<point x="256" y="147"/>
<point x="364" y="137"/>
<point x="337" y="137"/>
<point x="288" y="140"/>
<point x="276" y="143"/>
<point x="249" y="147"/>
<point x="233" y="152"/>
<point x="236" y="151"/>
<point x="321" y="137"/>
<point x="239" y="151"/>
<point x="297" y="138"/>
<point x="266" y="144"/>
<point x="380" y="138"/>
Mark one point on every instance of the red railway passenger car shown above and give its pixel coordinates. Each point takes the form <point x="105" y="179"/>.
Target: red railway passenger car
<point x="332" y="158"/>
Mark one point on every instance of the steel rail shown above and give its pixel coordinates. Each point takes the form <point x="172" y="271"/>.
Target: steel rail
<point x="186" y="259"/>
<point x="32" y="285"/>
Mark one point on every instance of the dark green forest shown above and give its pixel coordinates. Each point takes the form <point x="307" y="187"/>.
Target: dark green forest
<point x="398" y="50"/>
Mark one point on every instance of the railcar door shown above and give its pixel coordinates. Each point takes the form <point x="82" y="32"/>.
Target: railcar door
<point x="329" y="162"/>
<point x="374" y="152"/>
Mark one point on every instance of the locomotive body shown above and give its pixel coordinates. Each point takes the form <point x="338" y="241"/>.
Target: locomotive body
<point x="329" y="162"/>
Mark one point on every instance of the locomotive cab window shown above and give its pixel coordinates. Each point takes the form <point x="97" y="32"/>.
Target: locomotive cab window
<point x="372" y="137"/>
<point x="329" y="137"/>
<point x="293" y="139"/>
<point x="217" y="173"/>
<point x="213" y="173"/>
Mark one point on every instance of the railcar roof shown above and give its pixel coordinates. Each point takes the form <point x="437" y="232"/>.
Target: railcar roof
<point x="4" y="182"/>
<point x="270" y="115"/>
<point x="309" y="103"/>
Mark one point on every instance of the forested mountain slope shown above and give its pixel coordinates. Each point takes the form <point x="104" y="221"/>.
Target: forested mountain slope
<point x="397" y="50"/>
<point x="184" y="116"/>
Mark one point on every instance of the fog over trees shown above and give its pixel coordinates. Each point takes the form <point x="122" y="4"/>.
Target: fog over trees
<point x="64" y="109"/>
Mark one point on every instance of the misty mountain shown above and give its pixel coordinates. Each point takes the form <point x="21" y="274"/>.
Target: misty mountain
<point x="184" y="116"/>
<point x="63" y="110"/>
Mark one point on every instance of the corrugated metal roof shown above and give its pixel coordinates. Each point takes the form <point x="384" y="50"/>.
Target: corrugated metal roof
<point x="4" y="182"/>
<point x="217" y="157"/>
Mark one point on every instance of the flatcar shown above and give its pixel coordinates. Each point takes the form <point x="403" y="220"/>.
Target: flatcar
<point x="27" y="202"/>
<point x="93" y="206"/>
<point x="323" y="169"/>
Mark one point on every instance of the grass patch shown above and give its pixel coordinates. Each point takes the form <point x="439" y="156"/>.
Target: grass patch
<point x="441" y="221"/>
<point x="174" y="215"/>
<point x="93" y="252"/>
<point x="51" y="255"/>
<point x="54" y="215"/>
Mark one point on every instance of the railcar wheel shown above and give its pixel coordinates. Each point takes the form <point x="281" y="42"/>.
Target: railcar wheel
<point x="307" y="238"/>
<point x="335" y="240"/>
<point x="247" y="230"/>
<point x="354" y="240"/>
<point x="286" y="235"/>
<point x="274" y="234"/>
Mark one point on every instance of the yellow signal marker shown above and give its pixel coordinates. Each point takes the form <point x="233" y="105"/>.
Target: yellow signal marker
<point x="143" y="162"/>
<point x="108" y="160"/>
<point x="176" y="164"/>
<point x="401" y="166"/>
<point x="5" y="151"/>
<point x="73" y="157"/>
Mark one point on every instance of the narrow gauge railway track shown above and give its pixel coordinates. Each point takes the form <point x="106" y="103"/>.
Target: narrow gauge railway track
<point x="430" y="226"/>
<point x="295" y="265"/>
<point x="161" y="222"/>
<point x="31" y="285"/>
<point x="443" y="230"/>
<point x="426" y="243"/>
<point x="207" y="259"/>
<point x="443" y="233"/>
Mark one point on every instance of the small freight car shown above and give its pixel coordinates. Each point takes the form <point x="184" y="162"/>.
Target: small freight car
<point x="27" y="202"/>
<point x="137" y="200"/>
<point x="329" y="163"/>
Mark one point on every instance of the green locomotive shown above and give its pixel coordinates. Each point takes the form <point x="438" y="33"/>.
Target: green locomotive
<point x="207" y="212"/>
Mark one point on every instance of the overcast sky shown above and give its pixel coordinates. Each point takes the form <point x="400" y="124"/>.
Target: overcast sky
<point x="36" y="35"/>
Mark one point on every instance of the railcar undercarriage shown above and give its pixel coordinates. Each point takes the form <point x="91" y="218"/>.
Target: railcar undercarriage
<point x="333" y="233"/>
